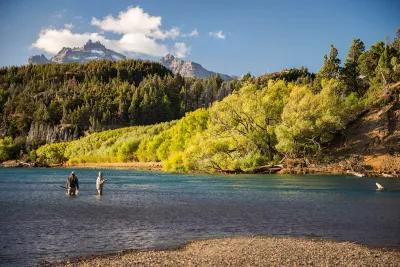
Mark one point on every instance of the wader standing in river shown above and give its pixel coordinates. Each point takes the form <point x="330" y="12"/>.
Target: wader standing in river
<point x="100" y="183"/>
<point x="72" y="184"/>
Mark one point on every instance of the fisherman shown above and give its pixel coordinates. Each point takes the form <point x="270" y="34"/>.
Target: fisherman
<point x="72" y="184"/>
<point x="100" y="183"/>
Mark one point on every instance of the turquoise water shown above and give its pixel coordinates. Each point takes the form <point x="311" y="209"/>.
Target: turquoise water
<point x="138" y="210"/>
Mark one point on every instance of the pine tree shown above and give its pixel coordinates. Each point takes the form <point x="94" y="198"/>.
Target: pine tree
<point x="383" y="68"/>
<point x="331" y="65"/>
<point x="330" y="68"/>
<point x="350" y="71"/>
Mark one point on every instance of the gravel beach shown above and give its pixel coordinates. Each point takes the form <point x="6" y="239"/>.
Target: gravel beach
<point x="252" y="251"/>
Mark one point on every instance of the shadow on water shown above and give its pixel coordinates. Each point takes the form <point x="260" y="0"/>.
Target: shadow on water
<point x="142" y="210"/>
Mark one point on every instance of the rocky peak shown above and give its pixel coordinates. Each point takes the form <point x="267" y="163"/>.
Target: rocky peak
<point x="38" y="59"/>
<point x="94" y="45"/>
<point x="65" y="50"/>
<point x="168" y="58"/>
<point x="188" y="68"/>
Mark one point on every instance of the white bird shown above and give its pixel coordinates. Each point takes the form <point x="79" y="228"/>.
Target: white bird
<point x="379" y="187"/>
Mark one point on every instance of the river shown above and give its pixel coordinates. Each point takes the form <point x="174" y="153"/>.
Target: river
<point x="140" y="210"/>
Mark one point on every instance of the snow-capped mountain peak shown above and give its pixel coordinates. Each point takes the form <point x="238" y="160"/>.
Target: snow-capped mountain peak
<point x="90" y="51"/>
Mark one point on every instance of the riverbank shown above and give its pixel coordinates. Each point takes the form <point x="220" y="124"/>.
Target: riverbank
<point x="252" y="251"/>
<point x="363" y="166"/>
<point x="147" y="166"/>
<point x="371" y="166"/>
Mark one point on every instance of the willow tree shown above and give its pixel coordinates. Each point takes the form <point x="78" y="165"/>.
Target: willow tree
<point x="241" y="133"/>
<point x="310" y="120"/>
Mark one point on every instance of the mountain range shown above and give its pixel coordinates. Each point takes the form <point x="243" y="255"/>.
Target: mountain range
<point x="97" y="51"/>
<point x="90" y="51"/>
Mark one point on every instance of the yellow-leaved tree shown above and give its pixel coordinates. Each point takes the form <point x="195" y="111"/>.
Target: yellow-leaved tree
<point x="310" y="120"/>
<point x="241" y="133"/>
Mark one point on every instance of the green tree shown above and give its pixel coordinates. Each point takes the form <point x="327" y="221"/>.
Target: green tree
<point x="368" y="61"/>
<point x="310" y="120"/>
<point x="383" y="69"/>
<point x="3" y="99"/>
<point x="41" y="114"/>
<point x="54" y="112"/>
<point x="396" y="41"/>
<point x="330" y="67"/>
<point x="241" y="131"/>
<point x="351" y="71"/>
<point x="9" y="148"/>
<point x="247" y="77"/>
<point x="50" y="154"/>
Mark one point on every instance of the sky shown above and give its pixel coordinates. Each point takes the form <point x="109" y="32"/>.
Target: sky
<point x="232" y="37"/>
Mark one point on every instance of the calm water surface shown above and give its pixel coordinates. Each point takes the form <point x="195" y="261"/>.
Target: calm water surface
<point x="38" y="222"/>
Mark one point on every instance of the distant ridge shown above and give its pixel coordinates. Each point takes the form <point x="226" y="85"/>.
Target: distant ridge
<point x="97" y="51"/>
<point x="90" y="51"/>
<point x="189" y="68"/>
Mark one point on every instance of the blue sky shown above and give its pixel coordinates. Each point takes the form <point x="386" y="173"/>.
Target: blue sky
<point x="233" y="37"/>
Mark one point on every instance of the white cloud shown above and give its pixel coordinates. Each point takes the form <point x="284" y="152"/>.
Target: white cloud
<point x="181" y="50"/>
<point x="52" y="40"/>
<point x="217" y="34"/>
<point x="193" y="33"/>
<point x="173" y="33"/>
<point x="139" y="32"/>
<point x="68" y="25"/>
<point x="59" y="14"/>
<point x="135" y="20"/>
<point x="139" y="43"/>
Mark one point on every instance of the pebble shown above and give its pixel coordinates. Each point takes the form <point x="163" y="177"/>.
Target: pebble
<point x="253" y="251"/>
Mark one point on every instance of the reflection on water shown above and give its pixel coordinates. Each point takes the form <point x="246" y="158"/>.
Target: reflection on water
<point x="144" y="210"/>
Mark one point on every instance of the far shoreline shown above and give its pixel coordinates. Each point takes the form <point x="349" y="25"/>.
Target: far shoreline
<point x="328" y="169"/>
<point x="140" y="166"/>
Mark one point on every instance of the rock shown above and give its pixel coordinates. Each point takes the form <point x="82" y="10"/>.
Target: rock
<point x="45" y="133"/>
<point x="189" y="68"/>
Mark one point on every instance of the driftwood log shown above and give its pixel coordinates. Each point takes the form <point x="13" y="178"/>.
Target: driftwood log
<point x="267" y="169"/>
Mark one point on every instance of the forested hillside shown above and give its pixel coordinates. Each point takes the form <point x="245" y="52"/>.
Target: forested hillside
<point x="290" y="114"/>
<point x="61" y="102"/>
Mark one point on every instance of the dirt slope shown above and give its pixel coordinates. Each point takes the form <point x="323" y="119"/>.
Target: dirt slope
<point x="374" y="137"/>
